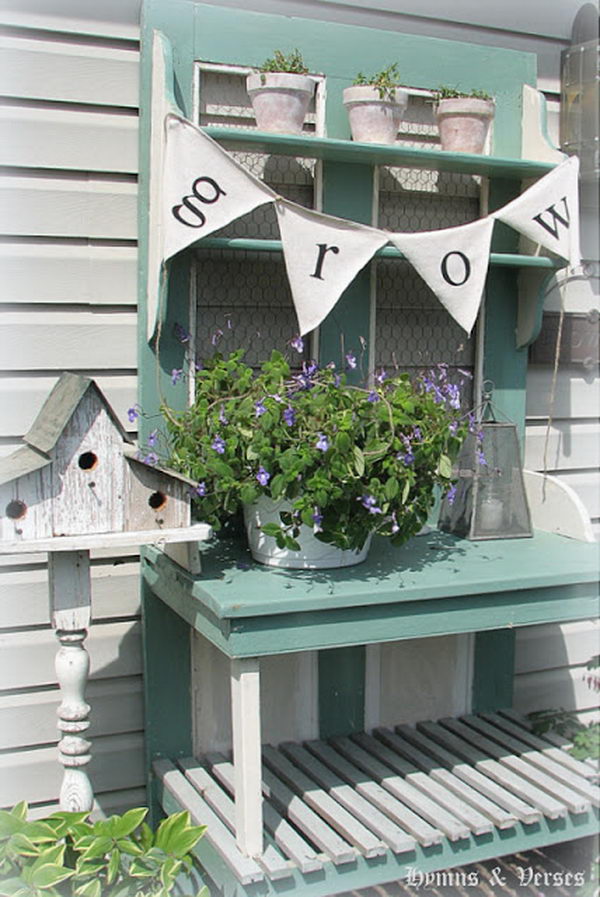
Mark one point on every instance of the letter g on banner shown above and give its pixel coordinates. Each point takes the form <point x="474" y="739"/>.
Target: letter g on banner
<point x="187" y="202"/>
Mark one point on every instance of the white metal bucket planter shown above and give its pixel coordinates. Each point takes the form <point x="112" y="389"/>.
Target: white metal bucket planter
<point x="314" y="554"/>
<point x="374" y="119"/>
<point x="280" y="100"/>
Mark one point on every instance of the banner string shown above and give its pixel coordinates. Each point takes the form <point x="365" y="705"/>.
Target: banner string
<point x="552" y="401"/>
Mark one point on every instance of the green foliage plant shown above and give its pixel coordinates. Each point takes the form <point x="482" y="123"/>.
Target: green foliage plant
<point x="280" y="62"/>
<point x="443" y="92"/>
<point x="386" y="81"/>
<point x="349" y="459"/>
<point x="66" y="855"/>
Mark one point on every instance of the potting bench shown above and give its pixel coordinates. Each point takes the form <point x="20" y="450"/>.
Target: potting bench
<point x="328" y="806"/>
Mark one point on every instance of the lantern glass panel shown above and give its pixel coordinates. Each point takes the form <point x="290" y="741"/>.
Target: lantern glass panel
<point x="490" y="500"/>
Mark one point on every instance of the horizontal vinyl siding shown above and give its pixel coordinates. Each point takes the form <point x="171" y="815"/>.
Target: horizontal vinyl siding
<point x="68" y="257"/>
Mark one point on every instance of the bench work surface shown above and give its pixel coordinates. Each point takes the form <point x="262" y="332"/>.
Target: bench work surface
<point x="435" y="585"/>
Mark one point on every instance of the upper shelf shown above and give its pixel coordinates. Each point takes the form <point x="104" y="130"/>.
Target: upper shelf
<point x="333" y="150"/>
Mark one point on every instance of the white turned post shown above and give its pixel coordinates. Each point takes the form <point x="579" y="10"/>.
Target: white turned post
<point x="245" y="717"/>
<point x="70" y="608"/>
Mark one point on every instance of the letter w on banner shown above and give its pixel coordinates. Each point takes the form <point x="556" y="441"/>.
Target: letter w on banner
<point x="322" y="254"/>
<point x="453" y="263"/>
<point x="203" y="187"/>
<point x="548" y="211"/>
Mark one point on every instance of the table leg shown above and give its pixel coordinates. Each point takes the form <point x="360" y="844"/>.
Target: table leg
<point x="245" y="714"/>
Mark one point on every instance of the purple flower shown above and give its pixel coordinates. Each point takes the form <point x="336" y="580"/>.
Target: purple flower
<point x="298" y="344"/>
<point x="132" y="414"/>
<point x="259" y="408"/>
<point x="182" y="334"/>
<point x="408" y="458"/>
<point x="222" y="417"/>
<point x="351" y="360"/>
<point x="395" y="527"/>
<point x="480" y="457"/>
<point x="373" y="397"/>
<point x="218" y="444"/>
<point x="176" y="375"/>
<point x="451" y="495"/>
<point x="263" y="476"/>
<point x="199" y="490"/>
<point x="216" y="336"/>
<point x="322" y="443"/>
<point x="381" y="376"/>
<point x="453" y="427"/>
<point x="153" y="438"/>
<point x="289" y="416"/>
<point x="453" y="395"/>
<point x="317" y="520"/>
<point x="370" y="503"/>
<point x="416" y="433"/>
<point x="151" y="458"/>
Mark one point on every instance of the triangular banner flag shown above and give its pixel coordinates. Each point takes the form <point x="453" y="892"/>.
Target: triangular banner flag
<point x="323" y="254"/>
<point x="453" y="262"/>
<point x="204" y="188"/>
<point x="548" y="211"/>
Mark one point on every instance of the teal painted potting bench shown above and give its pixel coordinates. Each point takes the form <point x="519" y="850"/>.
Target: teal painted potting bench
<point x="342" y="809"/>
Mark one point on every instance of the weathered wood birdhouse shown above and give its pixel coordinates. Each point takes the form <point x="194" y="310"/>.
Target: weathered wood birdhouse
<point x="78" y="474"/>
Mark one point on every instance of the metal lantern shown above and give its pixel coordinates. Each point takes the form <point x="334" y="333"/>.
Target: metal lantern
<point x="488" y="501"/>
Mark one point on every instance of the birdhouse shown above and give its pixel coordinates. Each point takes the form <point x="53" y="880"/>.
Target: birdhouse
<point x="78" y="474"/>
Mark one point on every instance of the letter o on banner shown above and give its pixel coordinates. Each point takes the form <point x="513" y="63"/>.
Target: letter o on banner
<point x="456" y="268"/>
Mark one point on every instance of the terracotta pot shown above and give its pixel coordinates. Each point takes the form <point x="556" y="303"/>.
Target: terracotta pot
<point x="314" y="555"/>
<point x="463" y="123"/>
<point x="373" y="119"/>
<point x="280" y="100"/>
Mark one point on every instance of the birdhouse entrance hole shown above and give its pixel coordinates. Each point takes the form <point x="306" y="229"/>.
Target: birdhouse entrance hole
<point x="157" y="501"/>
<point x="16" y="509"/>
<point x="88" y="461"/>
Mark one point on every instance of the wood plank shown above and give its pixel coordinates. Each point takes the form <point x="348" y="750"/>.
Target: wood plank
<point x="489" y="810"/>
<point x="400" y="788"/>
<point x="477" y="823"/>
<point x="441" y="750"/>
<point x="271" y="860"/>
<point x="571" y="445"/>
<point x="27" y="658"/>
<point x="579" y="784"/>
<point x="63" y="70"/>
<point x="495" y="770"/>
<point x="319" y="832"/>
<point x="68" y="139"/>
<point x="397" y="810"/>
<point x="24" y="601"/>
<point x="89" y="341"/>
<point x="532" y="766"/>
<point x="553" y="740"/>
<point x="46" y="271"/>
<point x="68" y="206"/>
<point x="198" y="532"/>
<point x="551" y="645"/>
<point x="553" y="688"/>
<point x="355" y="803"/>
<point x="576" y="395"/>
<point x="289" y="840"/>
<point x="116" y="21"/>
<point x="21" y="399"/>
<point x="244" y="868"/>
<point x="35" y="775"/>
<point x="28" y="719"/>
<point x="351" y="829"/>
<point x="244" y="677"/>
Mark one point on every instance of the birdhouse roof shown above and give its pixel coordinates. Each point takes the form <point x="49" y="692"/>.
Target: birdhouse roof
<point x="132" y="457"/>
<point x="22" y="461"/>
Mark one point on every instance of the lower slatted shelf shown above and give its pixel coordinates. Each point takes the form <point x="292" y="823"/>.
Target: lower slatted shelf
<point x="362" y="810"/>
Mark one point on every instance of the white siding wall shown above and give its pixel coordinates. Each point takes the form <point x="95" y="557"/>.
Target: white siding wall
<point x="68" y="188"/>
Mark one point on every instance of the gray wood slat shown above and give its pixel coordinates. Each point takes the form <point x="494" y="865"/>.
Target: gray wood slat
<point x="456" y="807"/>
<point x="291" y="843"/>
<point x="322" y="803"/>
<point x="519" y="786"/>
<point x="425" y="834"/>
<point x="489" y="810"/>
<point x="313" y="826"/>
<point x="355" y="803"/>
<point x="488" y="787"/>
<point x="274" y="864"/>
<point x="553" y="745"/>
<point x="400" y="788"/>
<point x="573" y="789"/>
<point x="245" y="869"/>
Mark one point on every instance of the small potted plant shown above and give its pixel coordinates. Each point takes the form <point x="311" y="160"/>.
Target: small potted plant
<point x="280" y="93"/>
<point x="329" y="463"/>
<point x="463" y="119"/>
<point x="375" y="106"/>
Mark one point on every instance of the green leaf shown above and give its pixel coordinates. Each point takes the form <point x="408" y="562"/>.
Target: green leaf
<point x="392" y="488"/>
<point x="91" y="889"/>
<point x="445" y="467"/>
<point x="271" y="529"/>
<point x="292" y="544"/>
<point x="342" y="442"/>
<point x="50" y="874"/>
<point x="359" y="461"/>
<point x="277" y="485"/>
<point x="113" y="866"/>
<point x="248" y="494"/>
<point x="405" y="491"/>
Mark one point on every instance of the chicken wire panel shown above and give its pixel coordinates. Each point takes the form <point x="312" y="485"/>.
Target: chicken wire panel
<point x="261" y="223"/>
<point x="244" y="301"/>
<point x="418" y="128"/>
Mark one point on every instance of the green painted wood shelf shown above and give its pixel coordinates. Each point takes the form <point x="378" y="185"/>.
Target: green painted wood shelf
<point x="434" y="585"/>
